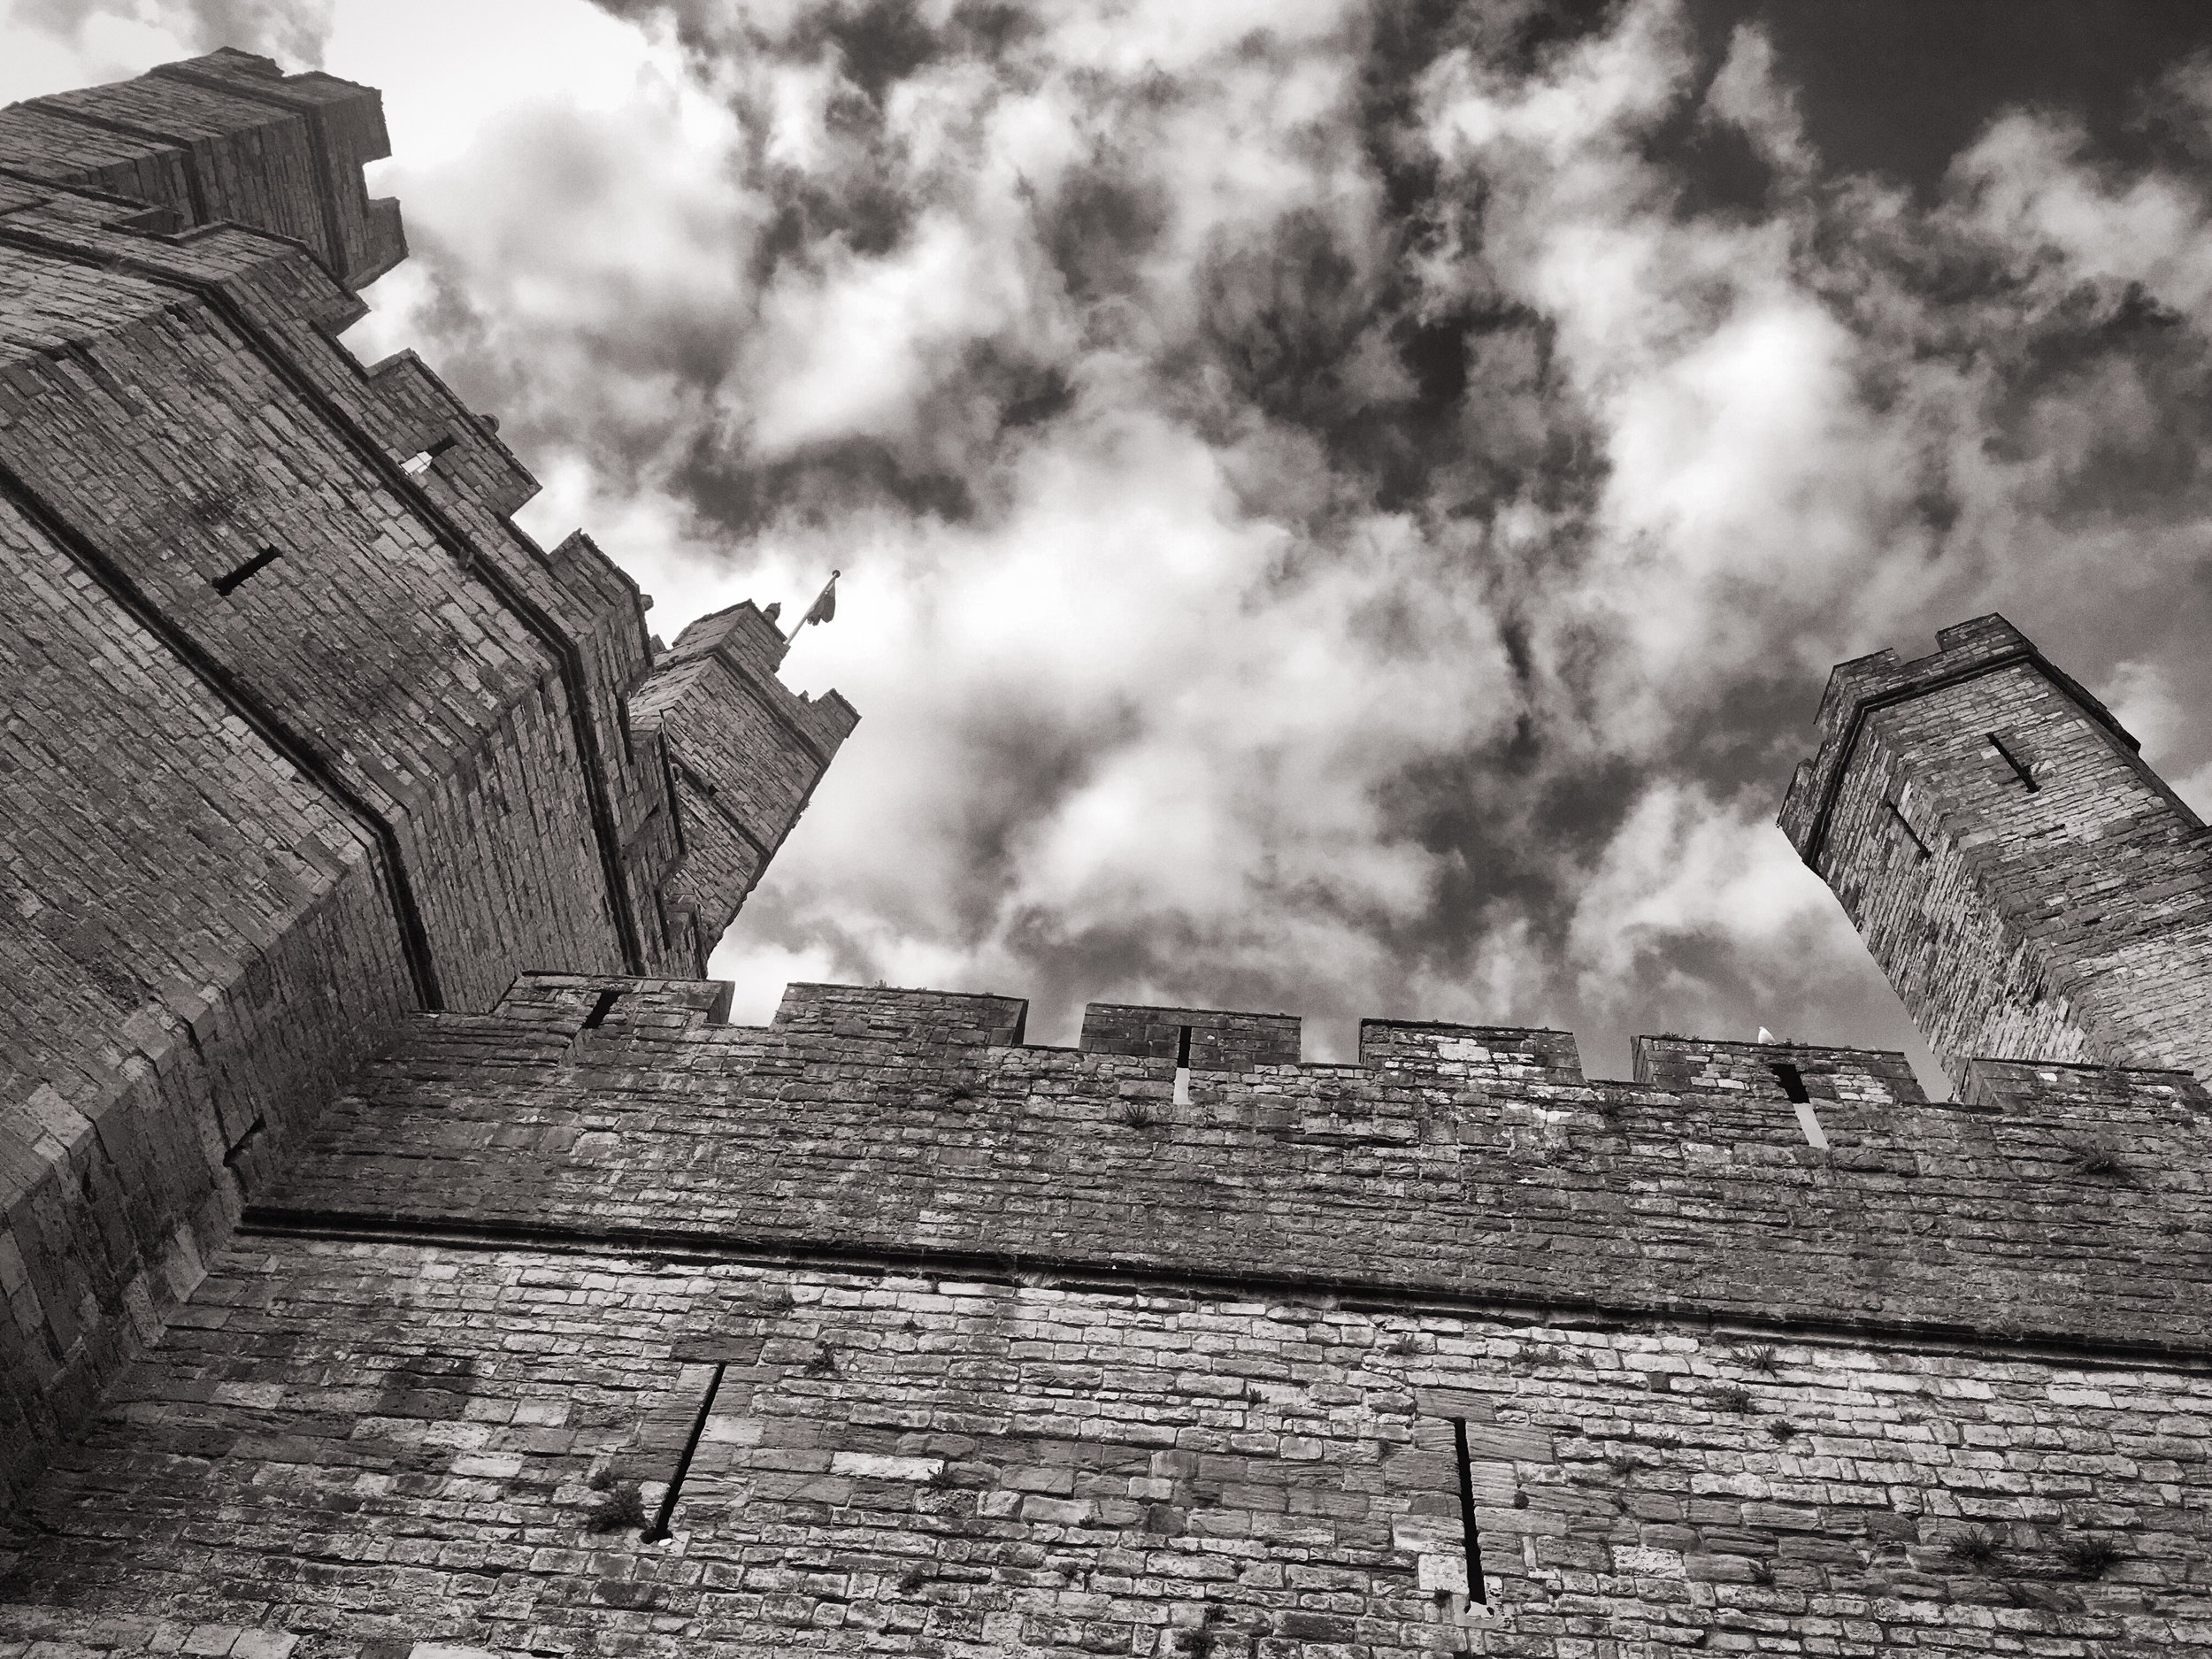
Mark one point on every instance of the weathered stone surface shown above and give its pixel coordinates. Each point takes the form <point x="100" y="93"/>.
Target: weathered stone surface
<point x="365" y="1445"/>
<point x="2031" y="888"/>
<point x="743" y="753"/>
<point x="224" y="137"/>
<point x="301" y="732"/>
<point x="492" y="1297"/>
<point x="1466" y="1165"/>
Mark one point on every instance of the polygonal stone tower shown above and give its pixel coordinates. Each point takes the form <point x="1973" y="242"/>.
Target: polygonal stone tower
<point x="2033" y="889"/>
<point x="744" y="753"/>
<point x="302" y="736"/>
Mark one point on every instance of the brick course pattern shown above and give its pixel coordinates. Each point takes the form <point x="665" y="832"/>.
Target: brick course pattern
<point x="2031" y="887"/>
<point x="1473" y="1165"/>
<point x="302" y="733"/>
<point x="365" y="1445"/>
<point x="433" y="1274"/>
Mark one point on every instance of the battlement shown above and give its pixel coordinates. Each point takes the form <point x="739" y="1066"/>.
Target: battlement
<point x="346" y="743"/>
<point x="227" y="136"/>
<point x="1698" y="1063"/>
<point x="572" y="1004"/>
<point x="1455" y="1162"/>
<point x="1857" y="687"/>
<point x="747" y="647"/>
<point x="1203" y="1040"/>
<point x="882" y="1015"/>
<point x="1500" y="1050"/>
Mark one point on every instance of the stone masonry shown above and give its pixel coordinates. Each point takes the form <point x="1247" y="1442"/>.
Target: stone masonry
<point x="303" y="733"/>
<point x="2028" y="884"/>
<point x="408" y="1260"/>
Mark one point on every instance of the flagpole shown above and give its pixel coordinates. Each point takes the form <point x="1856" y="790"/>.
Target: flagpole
<point x="810" y="613"/>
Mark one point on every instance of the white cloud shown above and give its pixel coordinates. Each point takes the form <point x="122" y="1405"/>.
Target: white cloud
<point x="2035" y="187"/>
<point x="1746" y="93"/>
<point x="1205" y="648"/>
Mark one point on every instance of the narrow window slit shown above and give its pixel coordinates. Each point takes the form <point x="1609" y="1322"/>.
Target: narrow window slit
<point x="1905" y="824"/>
<point x="416" y="464"/>
<point x="659" y="1528"/>
<point x="2019" y="767"/>
<point x="230" y="581"/>
<point x="676" y="817"/>
<point x="1473" y="1543"/>
<point x="237" y="1149"/>
<point x="1801" y="1100"/>
<point x="1182" y="1066"/>
<point x="601" y="1009"/>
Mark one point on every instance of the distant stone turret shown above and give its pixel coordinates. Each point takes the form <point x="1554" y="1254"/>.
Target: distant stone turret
<point x="744" y="754"/>
<point x="2033" y="890"/>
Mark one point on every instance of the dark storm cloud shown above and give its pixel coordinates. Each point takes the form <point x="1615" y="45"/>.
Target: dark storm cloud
<point x="1102" y="221"/>
<point x="1901" y="87"/>
<point x="1348" y="507"/>
<point x="811" y="487"/>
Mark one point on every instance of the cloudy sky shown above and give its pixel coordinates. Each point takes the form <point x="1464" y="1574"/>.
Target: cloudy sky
<point x="1346" y="505"/>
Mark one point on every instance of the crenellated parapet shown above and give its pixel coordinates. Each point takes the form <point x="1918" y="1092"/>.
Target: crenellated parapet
<point x="1193" y="1039"/>
<point x="1455" y="1166"/>
<point x="305" y="733"/>
<point x="743" y="755"/>
<point x="927" y="1020"/>
<point x="224" y="137"/>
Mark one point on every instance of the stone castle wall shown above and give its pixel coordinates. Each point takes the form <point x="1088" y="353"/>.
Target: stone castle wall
<point x="1463" y="1162"/>
<point x="490" y="1295"/>
<point x="917" y="1340"/>
<point x="304" y="733"/>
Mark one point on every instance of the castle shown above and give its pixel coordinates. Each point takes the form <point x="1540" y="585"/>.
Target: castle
<point x="404" y="1257"/>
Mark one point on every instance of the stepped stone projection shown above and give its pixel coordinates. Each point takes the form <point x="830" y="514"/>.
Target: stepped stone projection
<point x="404" y="1258"/>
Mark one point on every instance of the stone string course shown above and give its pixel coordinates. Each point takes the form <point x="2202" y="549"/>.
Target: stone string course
<point x="369" y="1446"/>
<point x="404" y="1258"/>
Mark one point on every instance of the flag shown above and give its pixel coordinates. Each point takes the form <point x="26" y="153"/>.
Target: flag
<point x="825" y="605"/>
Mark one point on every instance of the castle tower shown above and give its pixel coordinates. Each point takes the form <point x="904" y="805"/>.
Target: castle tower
<point x="302" y="736"/>
<point x="224" y="137"/>
<point x="743" y="753"/>
<point x="2031" y="887"/>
